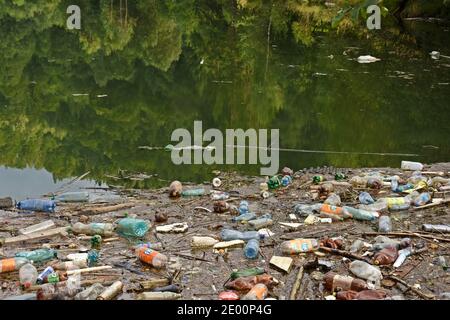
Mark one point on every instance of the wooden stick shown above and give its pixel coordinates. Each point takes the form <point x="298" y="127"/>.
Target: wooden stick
<point x="117" y="207"/>
<point x="412" y="288"/>
<point x="297" y="283"/>
<point x="153" y="283"/>
<point x="34" y="236"/>
<point x="345" y="254"/>
<point x="70" y="272"/>
<point x="406" y="234"/>
<point x="436" y="202"/>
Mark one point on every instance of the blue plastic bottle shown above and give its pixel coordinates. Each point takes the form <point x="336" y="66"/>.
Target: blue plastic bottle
<point x="286" y="180"/>
<point x="366" y="198"/>
<point x="244" y="217"/>
<point x="37" y="205"/>
<point x="251" y="249"/>
<point x="228" y="235"/>
<point x="243" y="207"/>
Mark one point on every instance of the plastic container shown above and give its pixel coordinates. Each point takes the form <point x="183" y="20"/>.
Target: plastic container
<point x="378" y="206"/>
<point x="81" y="196"/>
<point x="37" y="205"/>
<point x="28" y="275"/>
<point x="134" y="228"/>
<point x="365" y="198"/>
<point x="243" y="207"/>
<point x="336" y="282"/>
<point x="103" y="229"/>
<point x="12" y="264"/>
<point x="402" y="255"/>
<point x="246" y="273"/>
<point x="244" y="217"/>
<point x="366" y="271"/>
<point x="260" y="223"/>
<point x="39" y="255"/>
<point x="410" y="165"/>
<point x="90" y="293"/>
<point x="151" y="257"/>
<point x="299" y="246"/>
<point x="384" y="224"/>
<point x="258" y="292"/>
<point x="251" y="249"/>
<point x="228" y="234"/>
<point x="286" y="180"/>
<point x="333" y="200"/>
<point x="422" y="199"/>
<point x="386" y="256"/>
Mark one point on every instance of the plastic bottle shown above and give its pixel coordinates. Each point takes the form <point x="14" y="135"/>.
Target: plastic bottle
<point x="333" y="200"/>
<point x="158" y="296"/>
<point x="274" y="182"/>
<point x="304" y="210"/>
<point x="221" y="206"/>
<point x="251" y="249"/>
<point x="38" y="255"/>
<point x="71" y="265"/>
<point x="12" y="264"/>
<point x="193" y="192"/>
<point x="410" y="165"/>
<point x="333" y="212"/>
<point x="43" y="275"/>
<point x="374" y="183"/>
<point x="436" y="228"/>
<point x="92" y="257"/>
<point x="151" y="257"/>
<point x="437" y="182"/>
<point x="336" y="282"/>
<point x="402" y="255"/>
<point x="286" y="180"/>
<point x="360" y="214"/>
<point x="81" y="196"/>
<point x="365" y="198"/>
<point x="358" y="244"/>
<point x="246" y="273"/>
<point x="366" y="271"/>
<point x="135" y="228"/>
<point x="90" y="293"/>
<point x="246" y="283"/>
<point x="317" y="179"/>
<point x="358" y="182"/>
<point x="37" y="205"/>
<point x="103" y="229"/>
<point x="243" y="207"/>
<point x="228" y="234"/>
<point x="28" y="275"/>
<point x="395" y="187"/>
<point x="378" y="206"/>
<point x="299" y="245"/>
<point x="422" y="199"/>
<point x="384" y="224"/>
<point x="386" y="256"/>
<point x="262" y="222"/>
<point x="219" y="195"/>
<point x="244" y="217"/>
<point x="258" y="292"/>
<point x="150" y="245"/>
<point x="339" y="176"/>
<point x="112" y="291"/>
<point x="382" y="242"/>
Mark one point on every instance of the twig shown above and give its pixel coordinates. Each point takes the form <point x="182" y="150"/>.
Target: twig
<point x="297" y="283"/>
<point x="412" y="288"/>
<point x="344" y="254"/>
<point x="406" y="234"/>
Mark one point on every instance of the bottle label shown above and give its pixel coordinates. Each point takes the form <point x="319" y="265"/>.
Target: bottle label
<point x="395" y="201"/>
<point x="302" y="245"/>
<point x="53" y="277"/>
<point x="8" y="265"/>
<point x="259" y="292"/>
<point x="147" y="255"/>
<point x="326" y="208"/>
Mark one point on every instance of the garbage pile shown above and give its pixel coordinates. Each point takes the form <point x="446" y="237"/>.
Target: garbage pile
<point x="355" y="235"/>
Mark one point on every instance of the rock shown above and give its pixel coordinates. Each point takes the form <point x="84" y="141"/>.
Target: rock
<point x="161" y="217"/>
<point x="175" y="189"/>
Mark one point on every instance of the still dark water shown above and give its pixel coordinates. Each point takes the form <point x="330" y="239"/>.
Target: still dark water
<point x="64" y="112"/>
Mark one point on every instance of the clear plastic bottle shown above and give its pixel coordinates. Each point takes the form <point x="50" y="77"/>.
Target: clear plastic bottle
<point x="422" y="199"/>
<point x="243" y="207"/>
<point x="384" y="224"/>
<point x="135" y="228"/>
<point x="12" y="264"/>
<point x="103" y="229"/>
<point x="244" y="217"/>
<point x="38" y="255"/>
<point x="90" y="293"/>
<point x="378" y="206"/>
<point x="28" y="275"/>
<point x="365" y="198"/>
<point x="299" y="246"/>
<point x="333" y="199"/>
<point x="262" y="222"/>
<point x="219" y="195"/>
<point x="193" y="192"/>
<point x="360" y="214"/>
<point x="71" y="265"/>
<point x="79" y="196"/>
<point x="251" y="249"/>
<point x="366" y="271"/>
<point x="228" y="235"/>
<point x="151" y="257"/>
<point x="258" y="292"/>
<point x="304" y="210"/>
<point x="37" y="205"/>
<point x="358" y="182"/>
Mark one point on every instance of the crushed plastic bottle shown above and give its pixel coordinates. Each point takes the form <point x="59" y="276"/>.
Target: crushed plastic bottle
<point x="219" y="195"/>
<point x="366" y="271"/>
<point x="247" y="283"/>
<point x="360" y="214"/>
<point x="422" y="199"/>
<point x="333" y="200"/>
<point x="80" y="196"/>
<point x="386" y="256"/>
<point x="246" y="273"/>
<point x="151" y="257"/>
<point x="243" y="207"/>
<point x="258" y="292"/>
<point x="28" y="275"/>
<point x="12" y="264"/>
<point x="299" y="246"/>
<point x="90" y="293"/>
<point x="228" y="235"/>
<point x="251" y="249"/>
<point x="304" y="210"/>
<point x="384" y="224"/>
<point x="245" y="217"/>
<point x="365" y="198"/>
<point x="103" y="229"/>
<point x="37" y="205"/>
<point x="134" y="228"/>
<point x="39" y="255"/>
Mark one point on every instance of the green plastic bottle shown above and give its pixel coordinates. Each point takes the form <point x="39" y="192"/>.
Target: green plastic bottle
<point x="317" y="179"/>
<point x="39" y="255"/>
<point x="274" y="182"/>
<point x="129" y="227"/>
<point x="247" y="272"/>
